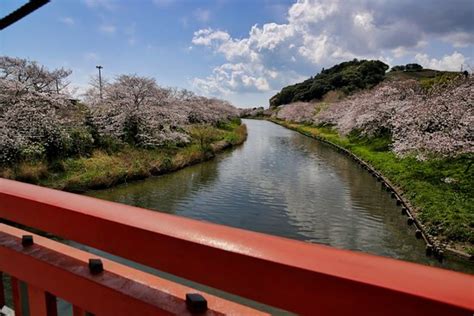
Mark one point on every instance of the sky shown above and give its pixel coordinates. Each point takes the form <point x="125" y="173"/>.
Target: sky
<point x="243" y="51"/>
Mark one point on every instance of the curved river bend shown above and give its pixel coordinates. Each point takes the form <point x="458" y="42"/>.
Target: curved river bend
<point x="282" y="183"/>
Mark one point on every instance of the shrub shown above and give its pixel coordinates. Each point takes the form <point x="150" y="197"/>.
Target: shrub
<point x="33" y="152"/>
<point x="81" y="142"/>
<point x="203" y="135"/>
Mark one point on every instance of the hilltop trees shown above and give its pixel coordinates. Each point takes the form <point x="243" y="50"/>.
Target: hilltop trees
<point x="407" y="67"/>
<point x="347" y="76"/>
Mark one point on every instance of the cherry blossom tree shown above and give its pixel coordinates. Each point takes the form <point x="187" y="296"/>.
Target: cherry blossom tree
<point x="31" y="76"/>
<point x="39" y="120"/>
<point x="438" y="121"/>
<point x="298" y="112"/>
<point x="442" y="122"/>
<point x="32" y="101"/>
<point x="135" y="109"/>
<point x="252" y="112"/>
<point x="369" y="111"/>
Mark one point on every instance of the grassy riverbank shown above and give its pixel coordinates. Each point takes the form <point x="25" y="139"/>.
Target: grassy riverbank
<point x="104" y="169"/>
<point x="441" y="190"/>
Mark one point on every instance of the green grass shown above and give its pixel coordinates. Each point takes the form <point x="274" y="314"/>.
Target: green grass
<point x="103" y="169"/>
<point x="446" y="208"/>
<point x="427" y="77"/>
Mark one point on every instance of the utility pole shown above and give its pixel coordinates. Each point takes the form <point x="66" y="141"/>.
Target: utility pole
<point x="100" y="80"/>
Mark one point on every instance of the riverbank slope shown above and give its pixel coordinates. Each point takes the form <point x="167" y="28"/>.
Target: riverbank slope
<point x="105" y="169"/>
<point x="439" y="190"/>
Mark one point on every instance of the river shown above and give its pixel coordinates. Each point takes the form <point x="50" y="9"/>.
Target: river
<point x="282" y="183"/>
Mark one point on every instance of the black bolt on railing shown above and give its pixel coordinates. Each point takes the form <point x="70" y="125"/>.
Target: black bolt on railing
<point x="95" y="266"/>
<point x="27" y="240"/>
<point x="196" y="303"/>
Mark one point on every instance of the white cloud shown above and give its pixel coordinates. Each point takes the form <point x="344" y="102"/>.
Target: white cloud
<point x="270" y="35"/>
<point x="230" y="77"/>
<point x="251" y="60"/>
<point x="320" y="33"/>
<point x="400" y="52"/>
<point x="202" y="15"/>
<point x="207" y="36"/>
<point x="364" y="20"/>
<point x="314" y="48"/>
<point x="459" y="39"/>
<point x="304" y="13"/>
<point x="67" y="20"/>
<point x="451" y="62"/>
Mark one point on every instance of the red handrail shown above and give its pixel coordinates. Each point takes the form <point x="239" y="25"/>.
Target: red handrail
<point x="50" y="267"/>
<point x="296" y="276"/>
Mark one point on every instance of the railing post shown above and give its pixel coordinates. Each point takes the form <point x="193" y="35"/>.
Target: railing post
<point x="2" y="291"/>
<point x="37" y="301"/>
<point x="41" y="303"/>
<point x="51" y="304"/>
<point x="16" y="295"/>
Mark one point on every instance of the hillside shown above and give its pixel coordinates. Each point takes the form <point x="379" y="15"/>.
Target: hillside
<point x="356" y="75"/>
<point x="348" y="77"/>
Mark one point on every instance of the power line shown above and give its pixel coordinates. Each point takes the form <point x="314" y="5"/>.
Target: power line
<point x="21" y="12"/>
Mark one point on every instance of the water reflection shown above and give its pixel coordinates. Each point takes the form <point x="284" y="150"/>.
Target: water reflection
<point x="163" y="193"/>
<point x="283" y="183"/>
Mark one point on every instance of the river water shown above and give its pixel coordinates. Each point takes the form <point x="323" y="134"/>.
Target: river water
<point x="282" y="183"/>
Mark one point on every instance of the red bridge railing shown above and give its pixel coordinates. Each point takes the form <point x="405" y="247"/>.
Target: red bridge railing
<point x="295" y="276"/>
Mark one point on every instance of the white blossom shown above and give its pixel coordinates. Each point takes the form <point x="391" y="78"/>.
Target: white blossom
<point x="38" y="119"/>
<point x="438" y="121"/>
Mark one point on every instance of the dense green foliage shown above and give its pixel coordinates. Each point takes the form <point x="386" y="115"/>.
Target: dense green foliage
<point x="348" y="77"/>
<point x="407" y="67"/>
<point x="420" y="75"/>
<point x="441" y="78"/>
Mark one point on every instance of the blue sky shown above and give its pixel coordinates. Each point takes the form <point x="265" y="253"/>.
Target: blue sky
<point x="243" y="51"/>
